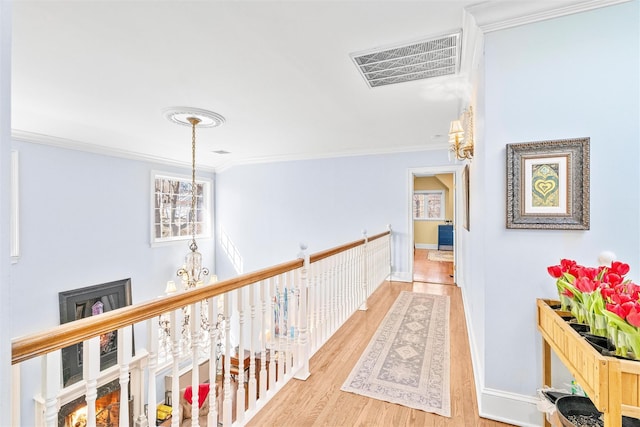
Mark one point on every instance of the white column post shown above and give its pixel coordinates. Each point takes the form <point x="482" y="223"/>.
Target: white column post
<point x="303" y="372"/>
<point x="152" y="345"/>
<point x="389" y="251"/>
<point x="90" y="372"/>
<point x="15" y="395"/>
<point x="365" y="272"/>
<point x="139" y="417"/>
<point x="124" y="358"/>
<point x="51" y="363"/>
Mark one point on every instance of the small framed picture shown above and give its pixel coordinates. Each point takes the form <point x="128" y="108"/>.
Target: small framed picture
<point x="548" y="184"/>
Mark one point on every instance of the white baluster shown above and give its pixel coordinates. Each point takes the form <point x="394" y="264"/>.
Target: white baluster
<point x="175" y="368"/>
<point x="90" y="372"/>
<point x="214" y="336"/>
<point x="331" y="298"/>
<point x="272" y="339"/>
<point x="51" y="363"/>
<point x="15" y="394"/>
<point x="282" y="307"/>
<point x="194" y="324"/>
<point x="292" y="324"/>
<point x="124" y="358"/>
<point x="252" y="357"/>
<point x="303" y="353"/>
<point x="326" y="299"/>
<point x="226" y="404"/>
<point x="264" y="330"/>
<point x="240" y="408"/>
<point x="152" y="366"/>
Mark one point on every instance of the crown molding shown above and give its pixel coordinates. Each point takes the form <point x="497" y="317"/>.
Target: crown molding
<point x="37" y="138"/>
<point x="499" y="15"/>
<point x="333" y="155"/>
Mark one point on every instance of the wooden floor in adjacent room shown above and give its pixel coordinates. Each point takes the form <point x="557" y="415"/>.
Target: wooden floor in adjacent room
<point x="425" y="270"/>
<point x="318" y="401"/>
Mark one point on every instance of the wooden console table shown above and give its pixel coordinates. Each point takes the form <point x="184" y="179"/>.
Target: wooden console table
<point x="612" y="384"/>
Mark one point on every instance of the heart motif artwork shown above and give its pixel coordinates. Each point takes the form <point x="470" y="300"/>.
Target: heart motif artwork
<point x="545" y="185"/>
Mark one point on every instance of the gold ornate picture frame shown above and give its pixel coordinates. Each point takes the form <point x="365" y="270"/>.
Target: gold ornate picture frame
<point x="548" y="184"/>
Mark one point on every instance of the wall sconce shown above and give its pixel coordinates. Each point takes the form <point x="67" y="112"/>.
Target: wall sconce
<point x="461" y="136"/>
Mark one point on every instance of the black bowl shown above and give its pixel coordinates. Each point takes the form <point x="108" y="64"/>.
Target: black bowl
<point x="579" y="405"/>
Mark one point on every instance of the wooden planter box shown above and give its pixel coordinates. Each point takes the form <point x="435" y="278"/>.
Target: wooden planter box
<point x="612" y="384"/>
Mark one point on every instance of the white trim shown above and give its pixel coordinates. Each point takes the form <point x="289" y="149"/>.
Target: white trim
<point x="14" y="215"/>
<point x="433" y="246"/>
<point x="511" y="408"/>
<point x="501" y="15"/>
<point x="456" y="170"/>
<point x="478" y="368"/>
<point x="332" y="155"/>
<point x="35" y="138"/>
<point x="401" y="276"/>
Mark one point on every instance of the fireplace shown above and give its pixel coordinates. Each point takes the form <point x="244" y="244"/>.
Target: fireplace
<point x="74" y="413"/>
<point x="91" y="301"/>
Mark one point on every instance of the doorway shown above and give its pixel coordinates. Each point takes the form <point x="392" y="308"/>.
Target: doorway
<point x="434" y="219"/>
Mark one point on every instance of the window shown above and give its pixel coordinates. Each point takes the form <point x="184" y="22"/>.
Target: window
<point x="172" y="208"/>
<point x="428" y="205"/>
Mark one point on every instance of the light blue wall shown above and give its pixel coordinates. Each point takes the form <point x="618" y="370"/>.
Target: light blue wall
<point x="5" y="147"/>
<point x="268" y="209"/>
<point x="84" y="221"/>
<point x="575" y="76"/>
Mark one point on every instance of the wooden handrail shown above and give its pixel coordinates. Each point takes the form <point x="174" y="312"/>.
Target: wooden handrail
<point x="58" y="337"/>
<point x="40" y="343"/>
<point x="333" y="251"/>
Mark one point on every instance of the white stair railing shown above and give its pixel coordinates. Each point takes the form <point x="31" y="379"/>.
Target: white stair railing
<point x="256" y="331"/>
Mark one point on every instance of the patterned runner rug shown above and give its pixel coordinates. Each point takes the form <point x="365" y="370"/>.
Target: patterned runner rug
<point x="407" y="360"/>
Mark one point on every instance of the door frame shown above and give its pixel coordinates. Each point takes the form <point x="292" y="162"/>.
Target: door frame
<point x="456" y="170"/>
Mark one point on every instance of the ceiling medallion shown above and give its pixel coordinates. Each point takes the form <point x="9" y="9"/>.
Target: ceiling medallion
<point x="181" y="116"/>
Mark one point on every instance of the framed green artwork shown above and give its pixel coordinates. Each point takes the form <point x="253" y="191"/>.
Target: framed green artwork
<point x="548" y="184"/>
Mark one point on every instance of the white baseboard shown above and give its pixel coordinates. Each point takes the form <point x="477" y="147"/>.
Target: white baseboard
<point x="401" y="276"/>
<point x="498" y="405"/>
<point x="426" y="246"/>
<point x="511" y="408"/>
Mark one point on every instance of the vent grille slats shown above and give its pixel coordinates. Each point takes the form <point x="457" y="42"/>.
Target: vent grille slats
<point x="421" y="60"/>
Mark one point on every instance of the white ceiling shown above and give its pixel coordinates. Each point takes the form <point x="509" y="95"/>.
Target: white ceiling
<point x="98" y="74"/>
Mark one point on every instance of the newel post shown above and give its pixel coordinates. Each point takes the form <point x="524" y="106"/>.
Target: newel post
<point x="303" y="373"/>
<point x="390" y="251"/>
<point x="365" y="272"/>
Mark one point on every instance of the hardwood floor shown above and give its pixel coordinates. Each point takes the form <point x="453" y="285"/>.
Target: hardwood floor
<point x="318" y="401"/>
<point x="425" y="270"/>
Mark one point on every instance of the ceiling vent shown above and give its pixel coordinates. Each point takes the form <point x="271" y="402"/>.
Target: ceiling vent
<point x="415" y="61"/>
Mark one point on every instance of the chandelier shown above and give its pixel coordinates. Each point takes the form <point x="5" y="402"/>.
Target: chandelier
<point x="461" y="136"/>
<point x="192" y="272"/>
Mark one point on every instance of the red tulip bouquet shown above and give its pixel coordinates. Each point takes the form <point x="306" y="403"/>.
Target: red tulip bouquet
<point x="603" y="298"/>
